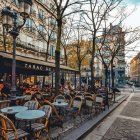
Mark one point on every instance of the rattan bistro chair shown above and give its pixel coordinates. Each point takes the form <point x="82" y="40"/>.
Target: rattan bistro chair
<point x="8" y="130"/>
<point x="43" y="125"/>
<point x="4" y="103"/>
<point x="99" y="103"/>
<point x="90" y="105"/>
<point x="60" y="98"/>
<point x="75" y="109"/>
<point x="32" y="105"/>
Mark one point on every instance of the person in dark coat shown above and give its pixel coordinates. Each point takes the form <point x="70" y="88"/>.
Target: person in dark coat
<point x="6" y="90"/>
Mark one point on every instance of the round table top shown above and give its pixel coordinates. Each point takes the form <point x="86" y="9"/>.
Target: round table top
<point x="13" y="109"/>
<point x="30" y="115"/>
<point x="60" y="104"/>
<point x="17" y="97"/>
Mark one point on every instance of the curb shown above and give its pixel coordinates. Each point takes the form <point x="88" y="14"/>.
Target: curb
<point x="80" y="132"/>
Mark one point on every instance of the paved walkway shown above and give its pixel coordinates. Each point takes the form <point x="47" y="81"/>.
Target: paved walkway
<point x="122" y="124"/>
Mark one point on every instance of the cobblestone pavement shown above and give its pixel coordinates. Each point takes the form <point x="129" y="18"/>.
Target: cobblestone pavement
<point x="121" y="124"/>
<point x="132" y="110"/>
<point x="123" y="129"/>
<point x="127" y="124"/>
<point x="135" y="98"/>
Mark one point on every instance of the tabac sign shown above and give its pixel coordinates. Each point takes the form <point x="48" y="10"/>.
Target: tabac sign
<point x="36" y="67"/>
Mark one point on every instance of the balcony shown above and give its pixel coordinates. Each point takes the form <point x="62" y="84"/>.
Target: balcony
<point x="30" y="47"/>
<point x="30" y="30"/>
<point x="33" y="13"/>
<point x="42" y="18"/>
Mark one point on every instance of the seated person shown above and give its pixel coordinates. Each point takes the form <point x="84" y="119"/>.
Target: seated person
<point x="6" y="91"/>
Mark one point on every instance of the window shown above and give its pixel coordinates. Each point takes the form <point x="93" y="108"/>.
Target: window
<point x="53" y="35"/>
<point x="41" y="14"/>
<point x="15" y="2"/>
<point x="44" y="1"/>
<point x="52" y="50"/>
<point x="41" y="28"/>
<point x="29" y="23"/>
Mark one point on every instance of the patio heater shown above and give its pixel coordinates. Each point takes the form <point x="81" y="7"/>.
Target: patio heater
<point x="11" y="25"/>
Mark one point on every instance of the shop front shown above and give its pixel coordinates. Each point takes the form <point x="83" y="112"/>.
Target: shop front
<point x="30" y="70"/>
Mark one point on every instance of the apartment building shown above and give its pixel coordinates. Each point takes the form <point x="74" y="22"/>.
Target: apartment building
<point x="35" y="43"/>
<point x="135" y="68"/>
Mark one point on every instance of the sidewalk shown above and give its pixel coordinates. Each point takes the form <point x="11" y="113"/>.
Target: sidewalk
<point x="122" y="124"/>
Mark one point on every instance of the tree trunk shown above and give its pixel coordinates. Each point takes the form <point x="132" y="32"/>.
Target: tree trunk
<point x="92" y="65"/>
<point x="57" y="55"/>
<point x="106" y="76"/>
<point x="79" y="76"/>
<point x="47" y="53"/>
<point x="92" y="76"/>
<point x="66" y="58"/>
<point x="112" y="74"/>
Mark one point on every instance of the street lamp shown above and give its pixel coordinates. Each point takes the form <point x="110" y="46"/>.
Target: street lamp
<point x="10" y="24"/>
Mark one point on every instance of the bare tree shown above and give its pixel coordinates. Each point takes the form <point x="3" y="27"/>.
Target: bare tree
<point x="92" y="21"/>
<point x="67" y="35"/>
<point x="59" y="10"/>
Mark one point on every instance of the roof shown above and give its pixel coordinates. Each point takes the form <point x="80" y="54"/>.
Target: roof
<point x="35" y="61"/>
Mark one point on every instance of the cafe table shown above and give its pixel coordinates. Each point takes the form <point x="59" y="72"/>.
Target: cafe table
<point x="60" y="105"/>
<point x="13" y="99"/>
<point x="29" y="116"/>
<point x="13" y="109"/>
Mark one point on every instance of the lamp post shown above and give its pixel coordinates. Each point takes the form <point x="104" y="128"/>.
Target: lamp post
<point x="10" y="25"/>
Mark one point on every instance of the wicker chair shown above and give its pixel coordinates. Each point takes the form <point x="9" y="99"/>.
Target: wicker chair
<point x="68" y="99"/>
<point x="32" y="105"/>
<point x="4" y="104"/>
<point x="38" y="97"/>
<point x="60" y="98"/>
<point x="88" y="94"/>
<point x="110" y="98"/>
<point x="28" y="97"/>
<point x="90" y="105"/>
<point x="55" y="119"/>
<point x="41" y="128"/>
<point x="99" y="103"/>
<point x="8" y="130"/>
<point x="76" y="107"/>
<point x="80" y="94"/>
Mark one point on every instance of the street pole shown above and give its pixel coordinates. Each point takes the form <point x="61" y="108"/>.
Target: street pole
<point x="4" y="39"/>
<point x="14" y="33"/>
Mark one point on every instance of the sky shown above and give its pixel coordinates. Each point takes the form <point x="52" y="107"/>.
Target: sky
<point x="133" y="21"/>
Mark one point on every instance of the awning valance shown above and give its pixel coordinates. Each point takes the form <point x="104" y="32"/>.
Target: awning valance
<point x="31" y="64"/>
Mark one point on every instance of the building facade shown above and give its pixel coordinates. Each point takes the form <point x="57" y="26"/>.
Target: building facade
<point x="135" y="69"/>
<point x="37" y="38"/>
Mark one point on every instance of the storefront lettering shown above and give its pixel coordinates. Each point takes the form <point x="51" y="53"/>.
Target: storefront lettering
<point x="35" y="67"/>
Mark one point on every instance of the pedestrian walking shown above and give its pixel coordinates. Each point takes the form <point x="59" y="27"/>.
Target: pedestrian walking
<point x="133" y="88"/>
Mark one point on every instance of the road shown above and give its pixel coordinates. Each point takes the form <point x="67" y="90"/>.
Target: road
<point x="123" y="123"/>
